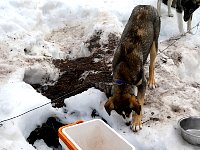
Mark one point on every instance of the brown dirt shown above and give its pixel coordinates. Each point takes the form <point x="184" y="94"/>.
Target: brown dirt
<point x="80" y="74"/>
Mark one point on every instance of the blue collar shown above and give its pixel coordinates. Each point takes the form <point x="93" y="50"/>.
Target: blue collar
<point x="120" y="82"/>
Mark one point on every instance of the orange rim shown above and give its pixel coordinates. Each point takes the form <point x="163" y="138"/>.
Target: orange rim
<point x="67" y="142"/>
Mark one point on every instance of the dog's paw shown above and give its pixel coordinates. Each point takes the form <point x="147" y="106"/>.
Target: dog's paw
<point x="137" y="123"/>
<point x="152" y="84"/>
<point x="170" y="15"/>
<point x="190" y="32"/>
<point x="135" y="127"/>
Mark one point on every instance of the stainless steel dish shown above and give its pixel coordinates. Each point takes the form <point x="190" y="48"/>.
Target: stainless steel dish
<point x="190" y="129"/>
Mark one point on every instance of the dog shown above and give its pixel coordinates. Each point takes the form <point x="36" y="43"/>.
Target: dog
<point x="169" y="4"/>
<point x="138" y="40"/>
<point x="188" y="7"/>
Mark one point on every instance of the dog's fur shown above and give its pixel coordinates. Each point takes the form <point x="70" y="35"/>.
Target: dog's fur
<point x="138" y="40"/>
<point x="173" y="3"/>
<point x="169" y="4"/>
<point x="188" y="7"/>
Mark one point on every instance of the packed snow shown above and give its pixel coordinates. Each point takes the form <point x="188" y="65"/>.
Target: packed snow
<point x="32" y="33"/>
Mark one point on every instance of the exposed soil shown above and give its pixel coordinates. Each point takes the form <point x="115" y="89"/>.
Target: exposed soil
<point x="83" y="73"/>
<point x="77" y="76"/>
<point x="48" y="132"/>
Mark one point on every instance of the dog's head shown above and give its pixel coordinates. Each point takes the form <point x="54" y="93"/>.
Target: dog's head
<point x="189" y="6"/>
<point x="123" y="105"/>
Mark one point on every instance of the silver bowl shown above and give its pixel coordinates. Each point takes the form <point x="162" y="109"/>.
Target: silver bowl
<point x="190" y="129"/>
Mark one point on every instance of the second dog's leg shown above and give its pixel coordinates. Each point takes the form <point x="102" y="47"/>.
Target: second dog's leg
<point x="180" y="22"/>
<point x="159" y="7"/>
<point x="179" y="12"/>
<point x="169" y="4"/>
<point x="153" y="53"/>
<point x="189" y="25"/>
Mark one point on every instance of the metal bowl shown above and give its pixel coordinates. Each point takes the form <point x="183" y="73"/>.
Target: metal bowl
<point x="190" y="129"/>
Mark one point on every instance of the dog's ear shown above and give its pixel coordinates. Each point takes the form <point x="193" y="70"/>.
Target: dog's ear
<point x="134" y="105"/>
<point x="109" y="106"/>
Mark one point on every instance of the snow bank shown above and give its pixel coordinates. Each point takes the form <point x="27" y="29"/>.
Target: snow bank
<point x="17" y="97"/>
<point x="190" y="68"/>
<point x="42" y="73"/>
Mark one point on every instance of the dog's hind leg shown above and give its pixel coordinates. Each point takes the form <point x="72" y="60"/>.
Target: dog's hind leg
<point x="169" y="4"/>
<point x="153" y="53"/>
<point x="159" y="7"/>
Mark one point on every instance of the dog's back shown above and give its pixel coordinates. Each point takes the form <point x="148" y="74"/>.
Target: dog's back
<point x="142" y="29"/>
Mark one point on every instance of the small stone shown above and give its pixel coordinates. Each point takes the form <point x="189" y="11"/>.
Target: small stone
<point x="168" y="117"/>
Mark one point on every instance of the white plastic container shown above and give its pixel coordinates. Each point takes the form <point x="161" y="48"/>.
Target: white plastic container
<point x="92" y="135"/>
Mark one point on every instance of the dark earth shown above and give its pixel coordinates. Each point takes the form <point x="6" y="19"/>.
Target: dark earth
<point x="71" y="82"/>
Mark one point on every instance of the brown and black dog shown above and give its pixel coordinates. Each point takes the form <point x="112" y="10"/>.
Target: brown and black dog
<point x="138" y="40"/>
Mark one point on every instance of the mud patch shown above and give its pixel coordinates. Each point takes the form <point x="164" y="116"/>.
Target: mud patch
<point x="48" y="132"/>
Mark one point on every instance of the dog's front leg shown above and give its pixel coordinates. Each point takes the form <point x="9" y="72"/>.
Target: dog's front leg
<point x="153" y="53"/>
<point x="179" y="11"/>
<point x="189" y="25"/>
<point x="169" y="4"/>
<point x="137" y="119"/>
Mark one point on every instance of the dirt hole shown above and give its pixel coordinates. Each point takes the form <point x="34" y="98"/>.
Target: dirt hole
<point x="48" y="132"/>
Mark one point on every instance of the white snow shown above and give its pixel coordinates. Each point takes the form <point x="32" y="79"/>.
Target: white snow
<point x="32" y="33"/>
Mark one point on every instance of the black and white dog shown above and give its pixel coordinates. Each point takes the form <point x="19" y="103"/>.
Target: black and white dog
<point x="188" y="7"/>
<point x="168" y="3"/>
